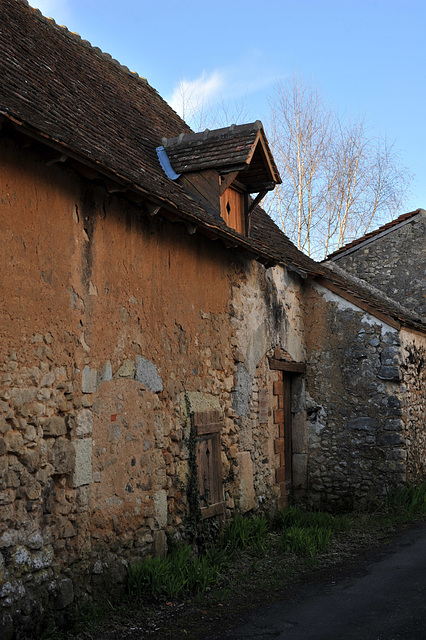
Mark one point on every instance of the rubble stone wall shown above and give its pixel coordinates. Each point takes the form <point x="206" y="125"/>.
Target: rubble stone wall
<point x="413" y="403"/>
<point x="357" y="446"/>
<point x="113" y="324"/>
<point x="394" y="263"/>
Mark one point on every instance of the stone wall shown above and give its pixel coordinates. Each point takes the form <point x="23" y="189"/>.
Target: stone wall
<point x="413" y="403"/>
<point x="267" y="317"/>
<point x="357" y="447"/>
<point x="394" y="263"/>
<point x="112" y="323"/>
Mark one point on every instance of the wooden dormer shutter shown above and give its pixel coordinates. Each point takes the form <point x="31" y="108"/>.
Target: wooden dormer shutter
<point x="232" y="209"/>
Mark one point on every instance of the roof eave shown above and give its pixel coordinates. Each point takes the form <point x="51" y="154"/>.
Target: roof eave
<point x="139" y="194"/>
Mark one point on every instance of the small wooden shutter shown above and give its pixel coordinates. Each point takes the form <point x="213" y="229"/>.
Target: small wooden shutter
<point x="232" y="209"/>
<point x="209" y="467"/>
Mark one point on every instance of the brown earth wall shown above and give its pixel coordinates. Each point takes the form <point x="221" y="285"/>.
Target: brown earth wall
<point x="112" y="322"/>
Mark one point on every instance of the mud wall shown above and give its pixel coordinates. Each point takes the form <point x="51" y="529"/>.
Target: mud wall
<point x="113" y="324"/>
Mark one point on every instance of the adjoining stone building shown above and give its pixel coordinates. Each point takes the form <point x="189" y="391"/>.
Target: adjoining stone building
<point x="393" y="259"/>
<point x="159" y="332"/>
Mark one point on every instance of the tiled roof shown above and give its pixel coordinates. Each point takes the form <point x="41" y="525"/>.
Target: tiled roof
<point x="357" y="291"/>
<point x="56" y="84"/>
<point x="71" y="95"/>
<point x="373" y="234"/>
<point x="226" y="148"/>
<point x="58" y="89"/>
<point x="367" y="297"/>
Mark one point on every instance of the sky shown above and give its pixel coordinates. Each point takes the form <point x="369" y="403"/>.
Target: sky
<point x="367" y="56"/>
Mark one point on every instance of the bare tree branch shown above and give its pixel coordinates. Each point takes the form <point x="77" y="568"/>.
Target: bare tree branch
<point x="338" y="181"/>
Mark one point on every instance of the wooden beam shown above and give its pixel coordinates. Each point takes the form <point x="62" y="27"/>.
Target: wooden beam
<point x="191" y="228"/>
<point x="213" y="510"/>
<point x="256" y="201"/>
<point x="261" y="140"/>
<point x="60" y="158"/>
<point x="226" y="182"/>
<point x="152" y="209"/>
<point x="285" y="365"/>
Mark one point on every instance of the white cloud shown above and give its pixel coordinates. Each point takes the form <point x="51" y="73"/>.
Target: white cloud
<point x="192" y="96"/>
<point x="192" y="99"/>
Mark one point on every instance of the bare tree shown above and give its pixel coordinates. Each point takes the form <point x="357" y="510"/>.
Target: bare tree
<point x="201" y="111"/>
<point x="338" y="181"/>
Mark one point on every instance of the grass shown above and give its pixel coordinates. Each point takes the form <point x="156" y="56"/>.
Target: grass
<point x="289" y="531"/>
<point x="404" y="504"/>
<point x="182" y="572"/>
<point x="253" y="555"/>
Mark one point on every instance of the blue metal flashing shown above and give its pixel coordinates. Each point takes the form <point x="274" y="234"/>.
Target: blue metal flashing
<point x="165" y="163"/>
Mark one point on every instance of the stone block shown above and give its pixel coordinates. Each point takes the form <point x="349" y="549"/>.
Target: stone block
<point x="246" y="481"/>
<point x="147" y="374"/>
<point x="388" y="357"/>
<point x="160" y="543"/>
<point x="65" y="594"/>
<point x="393" y="425"/>
<point x="105" y="373"/>
<point x="14" y="442"/>
<point x="300" y="471"/>
<point x="62" y="456"/>
<point x="54" y="427"/>
<point x="393" y="404"/>
<point x="127" y="370"/>
<point x="89" y="380"/>
<point x="83" y="462"/>
<point x="182" y="471"/>
<point x="390" y="439"/>
<point x="242" y="392"/>
<point x="83" y="423"/>
<point x="363" y="423"/>
<point x="391" y="338"/>
<point x="198" y="401"/>
<point x="389" y="373"/>
<point x="160" y="502"/>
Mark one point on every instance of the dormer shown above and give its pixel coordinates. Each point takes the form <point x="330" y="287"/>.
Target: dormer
<point x="227" y="171"/>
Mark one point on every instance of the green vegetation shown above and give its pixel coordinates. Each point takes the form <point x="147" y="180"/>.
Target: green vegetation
<point x="181" y="571"/>
<point x="293" y="531"/>
<point x="252" y="553"/>
<point x="406" y="503"/>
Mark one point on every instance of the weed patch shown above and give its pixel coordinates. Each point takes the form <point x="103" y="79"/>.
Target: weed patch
<point x="178" y="573"/>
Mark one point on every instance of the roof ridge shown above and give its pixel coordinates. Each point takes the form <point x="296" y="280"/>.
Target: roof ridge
<point x="211" y="133"/>
<point x="78" y="38"/>
<point x="371" y="234"/>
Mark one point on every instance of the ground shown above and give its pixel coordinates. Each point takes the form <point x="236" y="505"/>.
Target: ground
<point x="253" y="585"/>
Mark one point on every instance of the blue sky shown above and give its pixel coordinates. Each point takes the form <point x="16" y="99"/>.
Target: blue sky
<point x="367" y="56"/>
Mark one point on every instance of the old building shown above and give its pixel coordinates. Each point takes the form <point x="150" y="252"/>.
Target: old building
<point x="160" y="333"/>
<point x="393" y="259"/>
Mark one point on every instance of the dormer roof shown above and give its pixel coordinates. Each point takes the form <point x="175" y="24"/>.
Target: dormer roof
<point x="238" y="148"/>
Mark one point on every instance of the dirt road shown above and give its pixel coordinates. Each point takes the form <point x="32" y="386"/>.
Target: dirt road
<point x="383" y="599"/>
